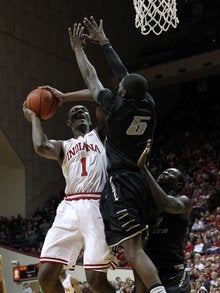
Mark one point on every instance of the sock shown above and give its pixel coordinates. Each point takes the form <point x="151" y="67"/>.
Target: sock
<point x="158" y="289"/>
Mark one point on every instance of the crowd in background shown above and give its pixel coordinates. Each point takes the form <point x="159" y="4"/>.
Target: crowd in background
<point x="193" y="146"/>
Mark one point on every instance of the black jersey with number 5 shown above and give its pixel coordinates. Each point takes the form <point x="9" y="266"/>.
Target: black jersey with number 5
<point x="130" y="123"/>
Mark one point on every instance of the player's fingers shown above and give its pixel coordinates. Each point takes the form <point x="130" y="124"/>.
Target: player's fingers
<point x="92" y="19"/>
<point x="78" y="28"/>
<point x="81" y="31"/>
<point x="87" y="23"/>
<point x="47" y="87"/>
<point x="101" y="24"/>
<point x="70" y="32"/>
<point x="148" y="142"/>
<point x="142" y="158"/>
<point x="74" y="29"/>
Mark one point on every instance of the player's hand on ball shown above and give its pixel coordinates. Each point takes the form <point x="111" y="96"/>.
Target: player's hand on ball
<point x="28" y="114"/>
<point x="58" y="94"/>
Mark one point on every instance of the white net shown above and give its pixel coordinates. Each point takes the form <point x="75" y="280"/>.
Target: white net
<point x="155" y="15"/>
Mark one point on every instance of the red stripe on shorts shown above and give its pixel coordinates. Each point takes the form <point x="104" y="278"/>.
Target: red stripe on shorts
<point x="82" y="195"/>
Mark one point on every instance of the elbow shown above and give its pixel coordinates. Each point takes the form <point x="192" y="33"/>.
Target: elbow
<point x="40" y="149"/>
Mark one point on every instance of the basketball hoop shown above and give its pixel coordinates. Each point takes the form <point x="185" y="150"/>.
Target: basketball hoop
<point x="155" y="15"/>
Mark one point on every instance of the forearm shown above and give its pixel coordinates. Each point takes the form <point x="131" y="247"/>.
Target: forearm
<point x="39" y="138"/>
<point x="88" y="73"/>
<point x="157" y="193"/>
<point x="117" y="67"/>
<point x="82" y="95"/>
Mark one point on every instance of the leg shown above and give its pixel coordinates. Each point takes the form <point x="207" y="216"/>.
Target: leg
<point x="2" y="281"/>
<point x="48" y="277"/>
<point x="98" y="281"/>
<point x="141" y="263"/>
<point x="139" y="285"/>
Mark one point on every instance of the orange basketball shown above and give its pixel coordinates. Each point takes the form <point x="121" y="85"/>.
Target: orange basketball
<point x="42" y="102"/>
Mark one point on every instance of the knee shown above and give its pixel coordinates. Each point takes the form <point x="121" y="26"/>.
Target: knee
<point x="44" y="279"/>
<point x="47" y="277"/>
<point x="131" y="256"/>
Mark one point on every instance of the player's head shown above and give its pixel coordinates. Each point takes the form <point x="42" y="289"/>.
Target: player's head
<point x="171" y="179"/>
<point x="79" y="118"/>
<point x="133" y="86"/>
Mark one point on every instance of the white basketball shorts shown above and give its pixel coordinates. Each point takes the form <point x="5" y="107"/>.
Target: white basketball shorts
<point x="78" y="224"/>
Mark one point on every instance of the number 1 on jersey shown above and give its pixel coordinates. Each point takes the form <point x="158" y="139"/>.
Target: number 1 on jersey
<point x="83" y="162"/>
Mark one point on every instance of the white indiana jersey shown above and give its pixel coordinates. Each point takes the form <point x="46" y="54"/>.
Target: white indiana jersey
<point x="67" y="284"/>
<point x="84" y="164"/>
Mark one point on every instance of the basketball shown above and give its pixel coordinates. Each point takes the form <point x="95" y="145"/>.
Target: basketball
<point x="42" y="102"/>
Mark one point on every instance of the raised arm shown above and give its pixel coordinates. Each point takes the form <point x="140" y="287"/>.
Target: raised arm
<point x="97" y="35"/>
<point x="167" y="203"/>
<point x="50" y="149"/>
<point x="87" y="69"/>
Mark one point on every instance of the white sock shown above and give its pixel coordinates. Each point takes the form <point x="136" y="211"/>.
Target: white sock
<point x="159" y="289"/>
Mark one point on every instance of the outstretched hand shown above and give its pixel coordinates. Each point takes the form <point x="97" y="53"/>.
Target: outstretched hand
<point x="59" y="95"/>
<point x="143" y="157"/>
<point x="77" y="39"/>
<point x="96" y="33"/>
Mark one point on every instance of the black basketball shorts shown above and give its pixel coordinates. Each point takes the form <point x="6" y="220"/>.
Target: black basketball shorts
<point x="124" y="206"/>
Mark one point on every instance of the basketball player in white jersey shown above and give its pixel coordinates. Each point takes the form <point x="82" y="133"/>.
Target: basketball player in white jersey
<point x="78" y="222"/>
<point x="70" y="284"/>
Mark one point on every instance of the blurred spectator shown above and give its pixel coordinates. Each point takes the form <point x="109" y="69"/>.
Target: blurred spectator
<point x="86" y="288"/>
<point x="197" y="262"/>
<point x="189" y="265"/>
<point x="189" y="247"/>
<point x="198" y="226"/>
<point x="27" y="288"/>
<point x="213" y="280"/>
<point x="202" y="289"/>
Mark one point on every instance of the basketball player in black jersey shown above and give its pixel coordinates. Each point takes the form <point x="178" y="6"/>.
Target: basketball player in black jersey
<point x="130" y="117"/>
<point x="165" y="244"/>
